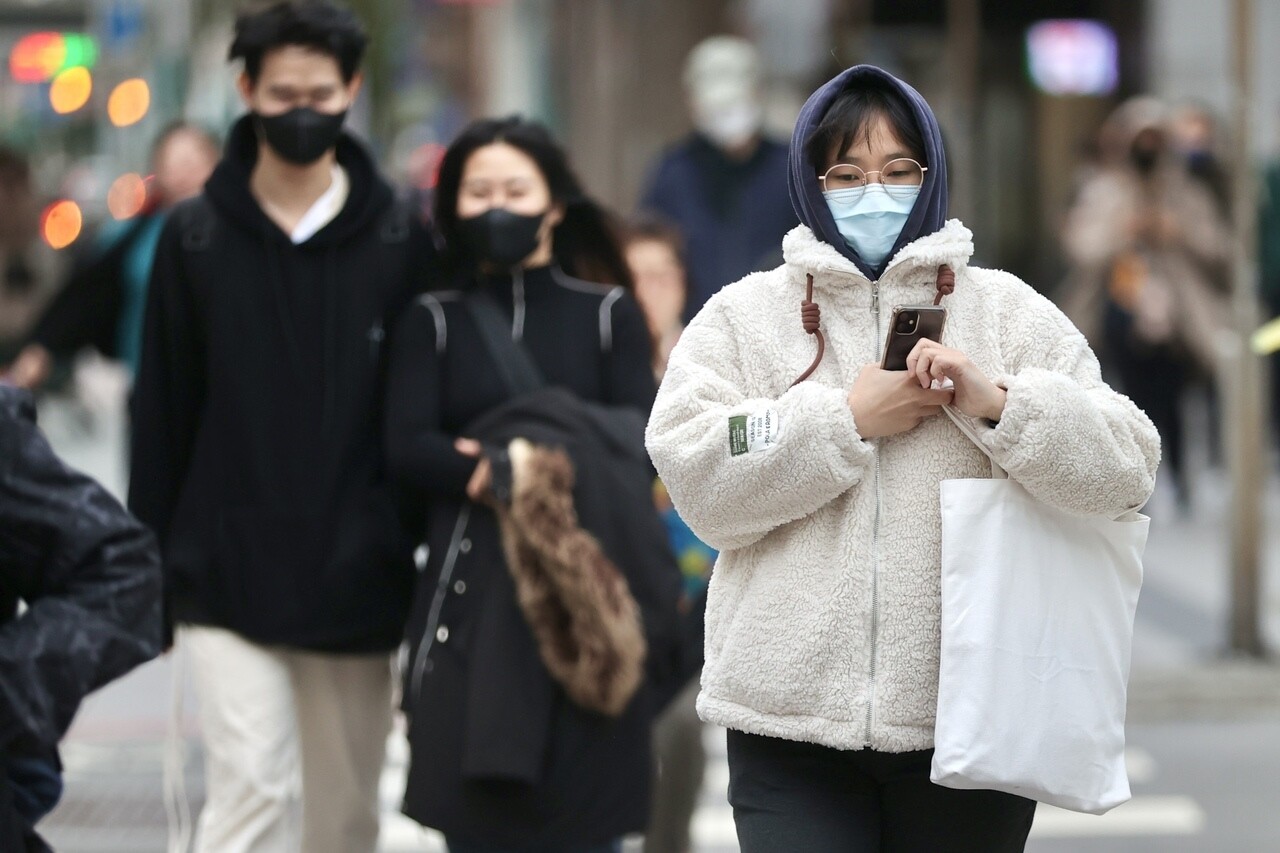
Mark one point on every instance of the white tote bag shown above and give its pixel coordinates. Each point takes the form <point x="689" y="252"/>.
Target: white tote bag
<point x="1037" y="630"/>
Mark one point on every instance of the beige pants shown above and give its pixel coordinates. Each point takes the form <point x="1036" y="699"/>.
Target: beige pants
<point x="294" y="745"/>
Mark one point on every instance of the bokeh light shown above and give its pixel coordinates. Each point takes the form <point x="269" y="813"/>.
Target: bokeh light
<point x="71" y="90"/>
<point x="60" y="223"/>
<point x="37" y="57"/>
<point x="127" y="196"/>
<point x="129" y="102"/>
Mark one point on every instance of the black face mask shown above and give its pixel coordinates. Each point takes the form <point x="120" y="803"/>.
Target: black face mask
<point x="302" y="135"/>
<point x="500" y="237"/>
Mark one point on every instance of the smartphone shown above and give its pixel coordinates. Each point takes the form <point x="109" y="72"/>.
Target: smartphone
<point x="909" y="325"/>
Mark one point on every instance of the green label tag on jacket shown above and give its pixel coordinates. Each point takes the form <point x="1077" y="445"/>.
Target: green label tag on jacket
<point x="738" y="435"/>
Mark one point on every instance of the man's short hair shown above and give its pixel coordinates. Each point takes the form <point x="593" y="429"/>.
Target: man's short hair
<point x="319" y="25"/>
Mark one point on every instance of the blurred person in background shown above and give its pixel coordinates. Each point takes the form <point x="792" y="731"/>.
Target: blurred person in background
<point x="1193" y="133"/>
<point x="79" y="606"/>
<point x="256" y="446"/>
<point x="655" y="256"/>
<point x="104" y="300"/>
<point x="28" y="267"/>
<point x="724" y="186"/>
<point x="1148" y="248"/>
<point x="1269" y="265"/>
<point x="509" y="751"/>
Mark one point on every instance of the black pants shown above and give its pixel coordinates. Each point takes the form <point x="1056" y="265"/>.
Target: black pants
<point x="790" y="796"/>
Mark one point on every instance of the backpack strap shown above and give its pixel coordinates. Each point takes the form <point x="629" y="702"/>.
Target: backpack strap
<point x="395" y="222"/>
<point x="199" y="223"/>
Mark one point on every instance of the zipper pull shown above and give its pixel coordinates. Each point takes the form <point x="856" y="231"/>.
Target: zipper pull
<point x="875" y="298"/>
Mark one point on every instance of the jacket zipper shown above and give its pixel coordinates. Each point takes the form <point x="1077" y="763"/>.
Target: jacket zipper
<point x="875" y="568"/>
<point x="437" y="601"/>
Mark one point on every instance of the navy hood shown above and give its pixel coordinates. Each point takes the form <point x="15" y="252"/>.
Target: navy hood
<point x="930" y="211"/>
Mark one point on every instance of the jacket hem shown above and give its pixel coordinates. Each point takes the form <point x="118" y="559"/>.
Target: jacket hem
<point x="805" y="728"/>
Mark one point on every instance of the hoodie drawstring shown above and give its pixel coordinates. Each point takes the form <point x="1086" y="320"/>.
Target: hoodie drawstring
<point x="946" y="283"/>
<point x="811" y="315"/>
<point x="330" y="297"/>
<point x="275" y="278"/>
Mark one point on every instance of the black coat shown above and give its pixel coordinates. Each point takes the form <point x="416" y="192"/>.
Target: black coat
<point x="90" y="577"/>
<point x="256" y="445"/>
<point x="500" y="755"/>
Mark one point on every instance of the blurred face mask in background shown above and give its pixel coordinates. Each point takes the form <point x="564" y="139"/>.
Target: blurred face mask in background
<point x="722" y="78"/>
<point x="500" y="237"/>
<point x="871" y="218"/>
<point x="728" y="124"/>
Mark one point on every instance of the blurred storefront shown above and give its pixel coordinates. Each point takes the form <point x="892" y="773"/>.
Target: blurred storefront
<point x="606" y="75"/>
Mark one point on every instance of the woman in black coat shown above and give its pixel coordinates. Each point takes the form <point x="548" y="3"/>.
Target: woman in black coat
<point x="506" y="755"/>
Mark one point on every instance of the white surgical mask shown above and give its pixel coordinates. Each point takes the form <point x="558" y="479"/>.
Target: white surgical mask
<point x="870" y="218"/>
<point x="729" y="125"/>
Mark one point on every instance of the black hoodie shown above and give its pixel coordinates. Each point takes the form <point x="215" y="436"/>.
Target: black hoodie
<point x="256" y="454"/>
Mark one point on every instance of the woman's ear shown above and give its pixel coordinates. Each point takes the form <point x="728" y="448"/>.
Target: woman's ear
<point x="554" y="217"/>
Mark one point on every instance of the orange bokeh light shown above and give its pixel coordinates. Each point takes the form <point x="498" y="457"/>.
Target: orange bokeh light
<point x="127" y="196"/>
<point x="129" y="102"/>
<point x="60" y="223"/>
<point x="71" y="90"/>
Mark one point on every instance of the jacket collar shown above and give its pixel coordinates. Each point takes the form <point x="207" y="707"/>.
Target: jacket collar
<point x="806" y="255"/>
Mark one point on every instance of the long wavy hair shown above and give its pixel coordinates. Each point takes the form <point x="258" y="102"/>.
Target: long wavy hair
<point x="586" y="243"/>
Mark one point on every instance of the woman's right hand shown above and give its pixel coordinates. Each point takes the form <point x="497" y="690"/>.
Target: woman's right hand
<point x="887" y="402"/>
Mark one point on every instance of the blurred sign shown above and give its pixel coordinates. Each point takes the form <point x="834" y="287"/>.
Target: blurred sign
<point x="1073" y="57"/>
<point x="124" y="24"/>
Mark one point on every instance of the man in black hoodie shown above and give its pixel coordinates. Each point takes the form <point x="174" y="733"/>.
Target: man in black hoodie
<point x="256" y="456"/>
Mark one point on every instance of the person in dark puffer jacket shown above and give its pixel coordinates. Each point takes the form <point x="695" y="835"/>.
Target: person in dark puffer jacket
<point x="89" y="576"/>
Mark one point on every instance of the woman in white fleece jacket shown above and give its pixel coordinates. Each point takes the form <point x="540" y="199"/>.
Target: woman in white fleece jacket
<point x="823" y="619"/>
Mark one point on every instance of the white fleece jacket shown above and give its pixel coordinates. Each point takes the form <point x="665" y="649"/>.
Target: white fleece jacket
<point x="823" y="618"/>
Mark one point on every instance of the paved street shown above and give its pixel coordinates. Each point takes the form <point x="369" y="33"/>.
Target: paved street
<point x="1204" y="731"/>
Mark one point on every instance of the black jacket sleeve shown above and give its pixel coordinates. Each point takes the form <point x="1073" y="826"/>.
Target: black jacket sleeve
<point x="89" y="574"/>
<point x="86" y="311"/>
<point x="630" y="363"/>
<point x="420" y="454"/>
<point x="168" y="396"/>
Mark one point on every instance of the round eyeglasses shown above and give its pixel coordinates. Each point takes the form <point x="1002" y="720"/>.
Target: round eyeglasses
<point x="900" y="176"/>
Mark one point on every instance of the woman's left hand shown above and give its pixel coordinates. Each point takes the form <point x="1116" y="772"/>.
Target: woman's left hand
<point x="976" y="395"/>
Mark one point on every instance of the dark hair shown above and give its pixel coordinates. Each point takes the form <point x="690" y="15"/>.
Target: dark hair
<point x="651" y="228"/>
<point x="585" y="243"/>
<point x="319" y="25"/>
<point x="848" y="120"/>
